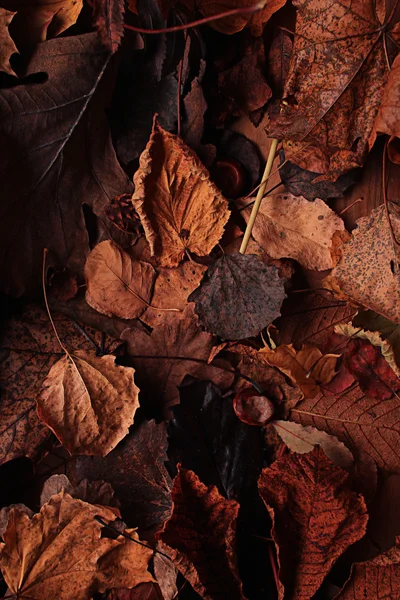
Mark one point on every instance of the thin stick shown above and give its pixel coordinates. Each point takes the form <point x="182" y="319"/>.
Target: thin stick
<point x="180" y="69"/>
<point x="45" y="251"/>
<point x="260" y="194"/>
<point x="273" y="565"/>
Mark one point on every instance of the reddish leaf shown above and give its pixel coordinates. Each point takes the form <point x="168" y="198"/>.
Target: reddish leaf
<point x="108" y="17"/>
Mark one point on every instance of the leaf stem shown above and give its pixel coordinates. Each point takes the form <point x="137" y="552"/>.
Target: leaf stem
<point x="259" y="197"/>
<point x="45" y="252"/>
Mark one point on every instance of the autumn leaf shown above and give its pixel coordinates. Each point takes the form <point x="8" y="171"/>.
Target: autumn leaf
<point x="386" y="330"/>
<point x="381" y="575"/>
<point x="180" y="209"/>
<point x="116" y="284"/>
<point x="55" y="159"/>
<point x="387" y="120"/>
<point x="315" y="515"/>
<point x="366" y="273"/>
<point x="136" y="470"/>
<point x="108" y="18"/>
<point x="122" y="214"/>
<point x="238" y="296"/>
<point x="290" y="227"/>
<point x="7" y="44"/>
<point x="96" y="492"/>
<point x="201" y="526"/>
<point x="176" y="348"/>
<point x="338" y="55"/>
<point x="307" y="367"/>
<point x="252" y="407"/>
<point x="40" y="555"/>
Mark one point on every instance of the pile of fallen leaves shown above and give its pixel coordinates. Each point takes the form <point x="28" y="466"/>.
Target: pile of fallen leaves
<point x="183" y="414"/>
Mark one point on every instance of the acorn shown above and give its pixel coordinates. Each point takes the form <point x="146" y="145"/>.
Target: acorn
<point x="253" y="408"/>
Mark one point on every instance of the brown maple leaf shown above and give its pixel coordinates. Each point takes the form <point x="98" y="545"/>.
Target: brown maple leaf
<point x="116" y="284"/>
<point x="375" y="578"/>
<point x="8" y="46"/>
<point x="200" y="538"/>
<point x="89" y="402"/>
<point x="60" y="553"/>
<point x="336" y="81"/>
<point x="315" y="516"/>
<point x="367" y="271"/>
<point x="180" y="208"/>
<point x="291" y="227"/>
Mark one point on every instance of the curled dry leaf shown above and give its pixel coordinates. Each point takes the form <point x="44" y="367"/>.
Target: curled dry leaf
<point x="89" y="402"/>
<point x="307" y="367"/>
<point x="381" y="575"/>
<point x="388" y="331"/>
<point x="201" y="526"/>
<point x="116" y="284"/>
<point x="366" y="273"/>
<point x="315" y="515"/>
<point x="40" y="555"/>
<point x="302" y="439"/>
<point x="238" y="297"/>
<point x="290" y="227"/>
<point x="7" y="44"/>
<point x="180" y="208"/>
<point x="387" y="120"/>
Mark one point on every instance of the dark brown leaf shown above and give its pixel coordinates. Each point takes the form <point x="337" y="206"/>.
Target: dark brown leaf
<point x="108" y="18"/>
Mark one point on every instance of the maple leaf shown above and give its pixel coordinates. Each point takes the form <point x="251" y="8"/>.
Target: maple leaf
<point x="89" y="402"/>
<point x="290" y="227"/>
<point x="338" y="55"/>
<point x="365" y="273"/>
<point x="200" y="538"/>
<point x="179" y="207"/>
<point x="176" y="348"/>
<point x="75" y="151"/>
<point x="238" y="296"/>
<point x="315" y="516"/>
<point x="136" y="470"/>
<point x="40" y="555"/>
<point x="116" y="284"/>
<point x="108" y="18"/>
<point x="206" y="436"/>
<point x="381" y="575"/>
<point x="28" y="349"/>
<point x="8" y="46"/>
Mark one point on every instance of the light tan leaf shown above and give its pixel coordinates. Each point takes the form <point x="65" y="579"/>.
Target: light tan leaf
<point x="292" y="227"/>
<point x="89" y="402"/>
<point x="306" y="367"/>
<point x="179" y="207"/>
<point x="303" y="439"/>
<point x="116" y="284"/>
<point x="93" y="492"/>
<point x="6" y="42"/>
<point x="59" y="553"/>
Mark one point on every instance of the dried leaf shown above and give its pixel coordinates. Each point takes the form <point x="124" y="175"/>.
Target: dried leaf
<point x="122" y="214"/>
<point x="203" y="525"/>
<point x="307" y="367"/>
<point x="176" y="348"/>
<point x="238" y="297"/>
<point x="278" y="60"/>
<point x="290" y="227"/>
<point x="40" y="555"/>
<point x="387" y="120"/>
<point x="366" y="271"/>
<point x="89" y="402"/>
<point x="116" y="284"/>
<point x="338" y="55"/>
<point x="108" y="18"/>
<point x="7" y="44"/>
<point x="96" y="492"/>
<point x="376" y="578"/>
<point x="388" y="331"/>
<point x="5" y="513"/>
<point x="253" y="408"/>
<point x="180" y="209"/>
<point x="316" y="517"/>
<point x="302" y="439"/>
<point x="136" y="470"/>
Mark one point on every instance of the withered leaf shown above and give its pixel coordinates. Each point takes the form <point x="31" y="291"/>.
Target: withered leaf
<point x="202" y="526"/>
<point x="28" y="349"/>
<point x="315" y="515"/>
<point x="179" y="207"/>
<point x="291" y="227"/>
<point x="116" y="284"/>
<point x="238" y="297"/>
<point x="108" y="17"/>
<point x="96" y="492"/>
<point x="137" y="473"/>
<point x="40" y="555"/>
<point x="338" y="56"/>
<point x="47" y="135"/>
<point x="366" y="273"/>
<point x="381" y="575"/>
<point x="177" y="347"/>
<point x="387" y="120"/>
<point x="206" y="436"/>
<point x="8" y="46"/>
<point x="388" y="331"/>
<point x="89" y="402"/>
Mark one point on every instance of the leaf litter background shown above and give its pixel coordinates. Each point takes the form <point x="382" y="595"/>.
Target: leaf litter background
<point x="237" y="415"/>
